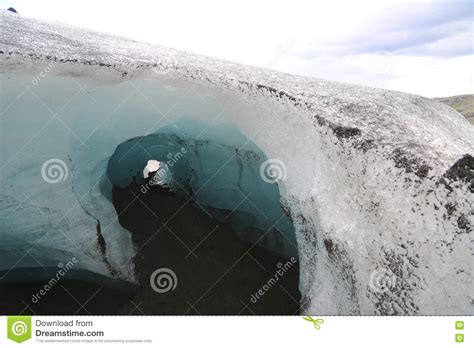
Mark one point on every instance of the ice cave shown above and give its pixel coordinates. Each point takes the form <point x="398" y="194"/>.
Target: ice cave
<point x="362" y="186"/>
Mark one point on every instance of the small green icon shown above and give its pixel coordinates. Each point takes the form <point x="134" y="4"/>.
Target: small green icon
<point x="19" y="328"/>
<point x="459" y="337"/>
<point x="316" y="322"/>
<point x="460" y="325"/>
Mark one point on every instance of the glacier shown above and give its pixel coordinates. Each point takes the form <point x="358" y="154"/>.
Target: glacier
<point x="374" y="189"/>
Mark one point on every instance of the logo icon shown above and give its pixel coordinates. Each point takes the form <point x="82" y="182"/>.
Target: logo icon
<point x="272" y="171"/>
<point x="382" y="280"/>
<point x="382" y="63"/>
<point x="459" y="325"/>
<point x="19" y="328"/>
<point x="54" y="170"/>
<point x="163" y="280"/>
<point x="459" y="338"/>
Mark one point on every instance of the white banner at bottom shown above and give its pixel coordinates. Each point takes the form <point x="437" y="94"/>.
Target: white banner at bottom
<point x="236" y="331"/>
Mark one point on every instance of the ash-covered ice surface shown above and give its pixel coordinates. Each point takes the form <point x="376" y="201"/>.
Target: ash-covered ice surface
<point x="370" y="189"/>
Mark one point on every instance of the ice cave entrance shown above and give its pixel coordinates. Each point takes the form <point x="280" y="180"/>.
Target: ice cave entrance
<point x="223" y="181"/>
<point x="201" y="208"/>
<point x="218" y="222"/>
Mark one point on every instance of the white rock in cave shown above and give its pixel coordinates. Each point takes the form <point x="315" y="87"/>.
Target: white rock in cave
<point x="378" y="184"/>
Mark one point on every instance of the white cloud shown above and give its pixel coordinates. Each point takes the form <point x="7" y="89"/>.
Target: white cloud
<point x="433" y="77"/>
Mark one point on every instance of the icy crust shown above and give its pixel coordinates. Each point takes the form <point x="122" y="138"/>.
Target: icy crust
<point x="383" y="116"/>
<point x="378" y="182"/>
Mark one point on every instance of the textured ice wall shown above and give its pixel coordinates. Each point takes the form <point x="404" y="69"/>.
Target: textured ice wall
<point x="379" y="183"/>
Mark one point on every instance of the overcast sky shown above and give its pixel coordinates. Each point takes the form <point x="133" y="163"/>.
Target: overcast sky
<point x="424" y="47"/>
